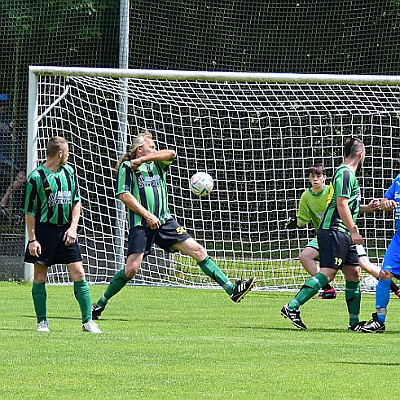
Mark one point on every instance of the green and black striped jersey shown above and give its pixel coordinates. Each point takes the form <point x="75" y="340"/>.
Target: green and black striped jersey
<point x="148" y="185"/>
<point x="49" y="196"/>
<point x="344" y="184"/>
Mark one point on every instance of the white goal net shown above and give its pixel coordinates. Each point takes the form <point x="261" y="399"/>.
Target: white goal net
<point x="255" y="134"/>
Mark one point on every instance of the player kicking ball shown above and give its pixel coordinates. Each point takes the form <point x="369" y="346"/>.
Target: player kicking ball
<point x="141" y="186"/>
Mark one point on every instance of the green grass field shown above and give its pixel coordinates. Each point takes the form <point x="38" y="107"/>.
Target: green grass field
<point x="166" y="343"/>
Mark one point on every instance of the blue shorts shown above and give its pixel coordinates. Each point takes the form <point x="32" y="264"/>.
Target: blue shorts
<point x="141" y="238"/>
<point x="391" y="261"/>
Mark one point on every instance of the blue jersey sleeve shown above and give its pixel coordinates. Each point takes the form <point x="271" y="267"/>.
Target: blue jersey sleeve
<point x="393" y="193"/>
<point x="393" y="189"/>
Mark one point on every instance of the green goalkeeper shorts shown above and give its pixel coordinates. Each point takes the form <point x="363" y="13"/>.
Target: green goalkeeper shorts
<point x="313" y="243"/>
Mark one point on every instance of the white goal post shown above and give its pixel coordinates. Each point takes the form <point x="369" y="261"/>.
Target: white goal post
<point x="255" y="134"/>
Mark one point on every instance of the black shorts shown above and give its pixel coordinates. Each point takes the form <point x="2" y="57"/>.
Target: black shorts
<point x="141" y="239"/>
<point x="336" y="249"/>
<point x="54" y="250"/>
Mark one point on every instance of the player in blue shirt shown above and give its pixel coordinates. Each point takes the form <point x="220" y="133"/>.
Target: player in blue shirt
<point x="391" y="261"/>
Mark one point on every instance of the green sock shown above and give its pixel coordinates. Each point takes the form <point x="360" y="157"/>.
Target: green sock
<point x="212" y="270"/>
<point x="39" y="297"/>
<point x="308" y="290"/>
<point x="82" y="294"/>
<point x="117" y="283"/>
<point x="353" y="300"/>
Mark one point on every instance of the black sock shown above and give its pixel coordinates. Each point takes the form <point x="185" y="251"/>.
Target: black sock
<point x="394" y="288"/>
<point x="327" y="287"/>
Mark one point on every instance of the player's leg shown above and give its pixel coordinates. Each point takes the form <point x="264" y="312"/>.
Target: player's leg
<point x="390" y="268"/>
<point x="81" y="289"/>
<point x="118" y="282"/>
<point x="123" y="276"/>
<point x="382" y="294"/>
<point x="172" y="237"/>
<point x="140" y="241"/>
<point x="351" y="271"/>
<point x="372" y="269"/>
<point x="39" y="296"/>
<point x="46" y="237"/>
<point x="308" y="258"/>
<point x="195" y="250"/>
<point x="309" y="289"/>
<point x="71" y="256"/>
<point x="331" y="250"/>
<point x="236" y="290"/>
<point x="382" y="297"/>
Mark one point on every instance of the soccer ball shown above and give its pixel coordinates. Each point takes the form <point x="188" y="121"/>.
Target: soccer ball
<point x="369" y="283"/>
<point x="201" y="184"/>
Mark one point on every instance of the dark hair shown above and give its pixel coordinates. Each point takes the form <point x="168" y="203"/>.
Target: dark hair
<point x="352" y="146"/>
<point x="316" y="169"/>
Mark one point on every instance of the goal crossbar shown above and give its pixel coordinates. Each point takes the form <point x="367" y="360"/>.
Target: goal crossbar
<point x="218" y="76"/>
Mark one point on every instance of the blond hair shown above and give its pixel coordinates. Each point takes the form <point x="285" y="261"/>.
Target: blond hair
<point x="137" y="141"/>
<point x="54" y="145"/>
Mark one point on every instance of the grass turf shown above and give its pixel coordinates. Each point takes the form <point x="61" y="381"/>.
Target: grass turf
<point x="167" y="343"/>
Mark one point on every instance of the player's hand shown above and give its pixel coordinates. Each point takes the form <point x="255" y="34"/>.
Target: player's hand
<point x="291" y="223"/>
<point x="357" y="238"/>
<point x="136" y="163"/>
<point x="374" y="205"/>
<point x="69" y="237"/>
<point x="388" y="205"/>
<point x="153" y="221"/>
<point x="34" y="249"/>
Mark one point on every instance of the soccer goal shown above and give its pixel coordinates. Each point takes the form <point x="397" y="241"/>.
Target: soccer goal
<point x="255" y="134"/>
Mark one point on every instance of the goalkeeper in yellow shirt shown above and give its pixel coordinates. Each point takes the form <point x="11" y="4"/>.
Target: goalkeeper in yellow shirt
<point x="312" y="206"/>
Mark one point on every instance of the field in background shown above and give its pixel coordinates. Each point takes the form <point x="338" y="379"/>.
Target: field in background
<point x="166" y="343"/>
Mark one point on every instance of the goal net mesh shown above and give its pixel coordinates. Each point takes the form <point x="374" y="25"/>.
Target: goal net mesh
<point x="256" y="139"/>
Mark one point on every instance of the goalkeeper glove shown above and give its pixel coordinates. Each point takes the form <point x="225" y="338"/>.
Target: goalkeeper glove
<point x="291" y="223"/>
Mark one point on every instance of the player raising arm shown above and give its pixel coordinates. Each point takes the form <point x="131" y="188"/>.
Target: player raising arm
<point x="141" y="186"/>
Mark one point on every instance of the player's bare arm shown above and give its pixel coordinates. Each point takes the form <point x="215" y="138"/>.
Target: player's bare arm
<point x="133" y="204"/>
<point x="161" y="155"/>
<point x="372" y="206"/>
<point x="33" y="245"/>
<point x="345" y="215"/>
<point x="387" y="205"/>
